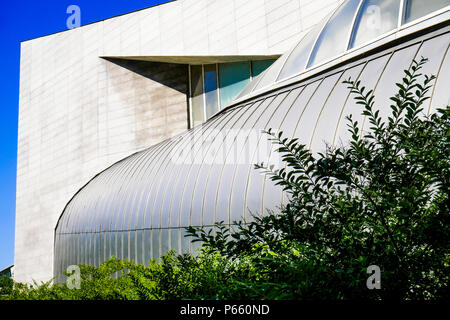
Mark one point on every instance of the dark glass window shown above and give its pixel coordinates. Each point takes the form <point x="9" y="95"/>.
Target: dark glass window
<point x="259" y="66"/>
<point x="211" y="94"/>
<point x="233" y="77"/>
<point x="214" y="86"/>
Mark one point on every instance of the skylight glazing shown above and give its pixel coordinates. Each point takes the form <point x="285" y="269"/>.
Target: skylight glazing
<point x="352" y="25"/>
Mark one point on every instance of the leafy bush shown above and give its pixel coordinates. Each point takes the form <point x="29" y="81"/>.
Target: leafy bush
<point x="206" y="276"/>
<point x="382" y="200"/>
<point x="6" y="285"/>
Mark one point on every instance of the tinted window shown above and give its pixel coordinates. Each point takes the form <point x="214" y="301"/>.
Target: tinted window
<point x="233" y="77"/>
<point x="211" y="99"/>
<point x="260" y="66"/>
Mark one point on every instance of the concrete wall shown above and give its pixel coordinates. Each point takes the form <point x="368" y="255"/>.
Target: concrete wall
<point x="80" y="113"/>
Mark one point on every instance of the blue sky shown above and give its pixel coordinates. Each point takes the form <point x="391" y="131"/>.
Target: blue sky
<point x="22" y="20"/>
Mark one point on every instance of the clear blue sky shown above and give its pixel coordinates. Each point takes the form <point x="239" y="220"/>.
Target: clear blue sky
<point x="22" y="20"/>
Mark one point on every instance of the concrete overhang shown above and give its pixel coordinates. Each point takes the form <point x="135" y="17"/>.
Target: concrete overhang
<point x="195" y="60"/>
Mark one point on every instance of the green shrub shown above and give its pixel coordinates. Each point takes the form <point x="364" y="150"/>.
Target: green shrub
<point x="381" y="200"/>
<point x="6" y="285"/>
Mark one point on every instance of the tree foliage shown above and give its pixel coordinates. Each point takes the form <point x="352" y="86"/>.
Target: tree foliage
<point x="383" y="200"/>
<point x="6" y="285"/>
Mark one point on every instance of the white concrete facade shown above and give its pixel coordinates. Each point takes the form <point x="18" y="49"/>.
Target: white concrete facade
<point x="79" y="113"/>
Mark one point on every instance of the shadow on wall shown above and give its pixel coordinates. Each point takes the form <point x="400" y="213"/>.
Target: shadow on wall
<point x="169" y="74"/>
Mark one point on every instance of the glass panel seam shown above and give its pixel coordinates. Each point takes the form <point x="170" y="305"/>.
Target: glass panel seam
<point x="323" y="106"/>
<point x="277" y="78"/>
<point x="313" y="47"/>
<point x="437" y="77"/>
<point x="270" y="99"/>
<point x="308" y="101"/>
<point x="397" y="49"/>
<point x="352" y="28"/>
<point x="171" y="177"/>
<point x="249" y="112"/>
<point x="196" y="180"/>
<point x="255" y="151"/>
<point x="171" y="214"/>
<point x="203" y="92"/>
<point x="219" y="107"/>
<point x="346" y="101"/>
<point x="401" y="13"/>
<point x="259" y="80"/>
<point x="152" y="158"/>
<point x="320" y="80"/>
<point x="301" y="89"/>
<point x="191" y="120"/>
<point x="222" y="144"/>
<point x="210" y="124"/>
<point x="160" y="183"/>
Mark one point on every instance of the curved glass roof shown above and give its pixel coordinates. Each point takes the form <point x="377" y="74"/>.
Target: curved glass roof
<point x="353" y="24"/>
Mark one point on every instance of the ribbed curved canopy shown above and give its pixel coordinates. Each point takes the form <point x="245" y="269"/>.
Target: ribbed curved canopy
<point x="354" y="24"/>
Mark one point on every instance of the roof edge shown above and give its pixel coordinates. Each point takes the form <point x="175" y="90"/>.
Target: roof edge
<point x="87" y="24"/>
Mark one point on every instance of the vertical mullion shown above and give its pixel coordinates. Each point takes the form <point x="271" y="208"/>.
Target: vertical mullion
<point x="191" y="120"/>
<point x="352" y="27"/>
<point x="218" y="87"/>
<point x="203" y="93"/>
<point x="401" y="13"/>
<point x="313" y="47"/>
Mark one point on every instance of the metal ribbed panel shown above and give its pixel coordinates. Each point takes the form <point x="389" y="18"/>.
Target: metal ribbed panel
<point x="138" y="208"/>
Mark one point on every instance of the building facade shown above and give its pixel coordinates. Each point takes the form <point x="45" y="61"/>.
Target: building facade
<point x="139" y="207"/>
<point x="93" y="95"/>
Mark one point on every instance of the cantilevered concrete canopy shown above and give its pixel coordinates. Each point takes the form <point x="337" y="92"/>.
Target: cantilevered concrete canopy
<point x="194" y="60"/>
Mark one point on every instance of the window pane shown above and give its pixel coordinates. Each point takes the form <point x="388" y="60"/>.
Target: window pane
<point x="211" y="90"/>
<point x="155" y="243"/>
<point x="174" y="240"/>
<point x="415" y="9"/>
<point x="164" y="241"/>
<point x="233" y="77"/>
<point x="259" y="66"/>
<point x="296" y="62"/>
<point x="198" y="113"/>
<point x="269" y="77"/>
<point x="249" y="88"/>
<point x="375" y="18"/>
<point x="333" y="39"/>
